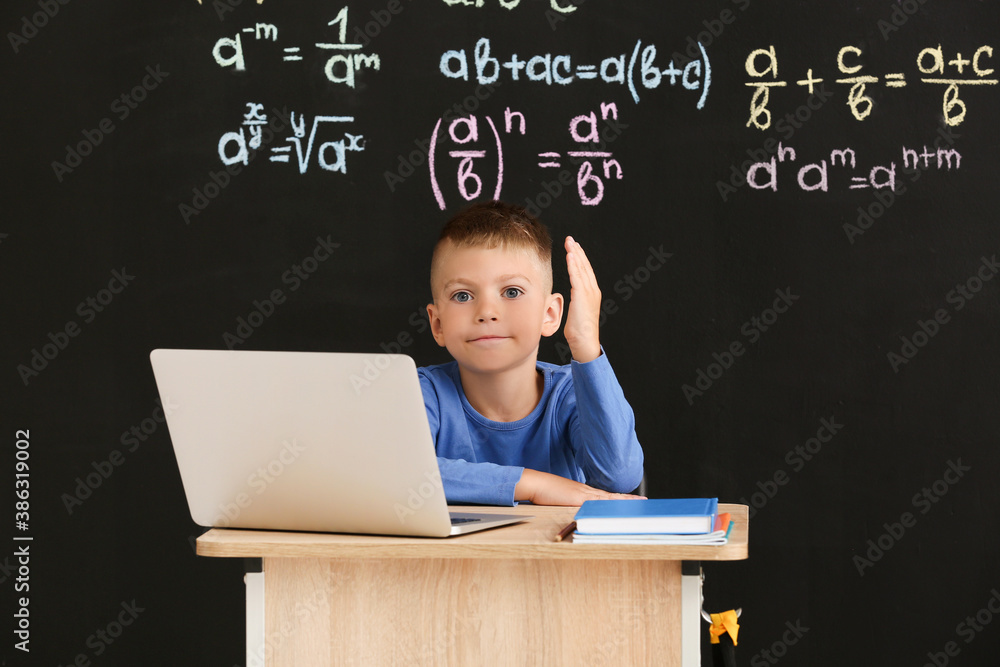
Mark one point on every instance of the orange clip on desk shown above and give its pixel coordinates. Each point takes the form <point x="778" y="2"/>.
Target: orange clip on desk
<point x="507" y="596"/>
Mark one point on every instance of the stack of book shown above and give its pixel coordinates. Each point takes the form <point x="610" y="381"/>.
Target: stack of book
<point x="694" y="521"/>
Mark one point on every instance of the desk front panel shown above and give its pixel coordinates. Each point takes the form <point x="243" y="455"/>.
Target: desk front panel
<point x="471" y="612"/>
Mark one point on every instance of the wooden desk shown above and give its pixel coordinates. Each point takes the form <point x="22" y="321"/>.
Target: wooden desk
<point x="507" y="596"/>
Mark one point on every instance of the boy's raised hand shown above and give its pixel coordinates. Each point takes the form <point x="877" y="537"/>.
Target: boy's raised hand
<point x="584" y="315"/>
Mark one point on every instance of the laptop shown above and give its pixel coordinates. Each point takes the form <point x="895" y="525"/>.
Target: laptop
<point x="306" y="441"/>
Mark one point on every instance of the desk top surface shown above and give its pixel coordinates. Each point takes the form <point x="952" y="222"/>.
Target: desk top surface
<point x="534" y="538"/>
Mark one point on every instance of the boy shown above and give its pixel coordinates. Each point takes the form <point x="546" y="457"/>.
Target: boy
<point x="506" y="426"/>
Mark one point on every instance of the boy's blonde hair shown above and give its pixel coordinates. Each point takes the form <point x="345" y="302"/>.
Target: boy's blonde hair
<point x="495" y="224"/>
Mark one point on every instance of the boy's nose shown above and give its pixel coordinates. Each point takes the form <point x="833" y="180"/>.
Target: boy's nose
<point x="487" y="311"/>
<point x="487" y="314"/>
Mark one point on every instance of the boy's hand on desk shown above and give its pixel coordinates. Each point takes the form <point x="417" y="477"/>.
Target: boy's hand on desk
<point x="542" y="488"/>
<point x="584" y="316"/>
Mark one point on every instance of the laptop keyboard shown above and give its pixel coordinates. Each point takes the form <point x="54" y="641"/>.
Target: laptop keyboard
<point x="458" y="520"/>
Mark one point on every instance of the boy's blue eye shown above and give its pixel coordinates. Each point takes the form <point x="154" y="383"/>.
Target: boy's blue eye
<point x="512" y="292"/>
<point x="461" y="297"/>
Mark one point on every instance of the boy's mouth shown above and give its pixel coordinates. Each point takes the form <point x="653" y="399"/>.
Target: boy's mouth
<point x="486" y="339"/>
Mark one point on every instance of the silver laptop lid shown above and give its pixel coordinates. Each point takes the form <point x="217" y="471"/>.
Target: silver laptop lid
<point x="317" y="441"/>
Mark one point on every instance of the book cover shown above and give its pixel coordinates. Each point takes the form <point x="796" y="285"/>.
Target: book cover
<point x="718" y="537"/>
<point x="683" y="516"/>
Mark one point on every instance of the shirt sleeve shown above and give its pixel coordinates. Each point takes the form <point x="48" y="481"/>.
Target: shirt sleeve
<point x="467" y="481"/>
<point x="602" y="430"/>
<point x="480" y="483"/>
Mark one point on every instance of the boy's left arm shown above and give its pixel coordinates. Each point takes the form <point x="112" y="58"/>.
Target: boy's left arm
<point x="603" y="428"/>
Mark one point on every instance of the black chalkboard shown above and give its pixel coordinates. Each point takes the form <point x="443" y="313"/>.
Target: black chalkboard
<point x="791" y="209"/>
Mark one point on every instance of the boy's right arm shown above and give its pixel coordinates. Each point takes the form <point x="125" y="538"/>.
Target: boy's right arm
<point x="480" y="483"/>
<point x="542" y="488"/>
<point x="465" y="480"/>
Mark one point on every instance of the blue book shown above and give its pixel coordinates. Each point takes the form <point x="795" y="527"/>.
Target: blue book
<point x="679" y="516"/>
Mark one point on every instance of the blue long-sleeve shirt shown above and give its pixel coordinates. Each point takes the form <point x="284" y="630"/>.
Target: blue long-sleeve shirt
<point x="582" y="429"/>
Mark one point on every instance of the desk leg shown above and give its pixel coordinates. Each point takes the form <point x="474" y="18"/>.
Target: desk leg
<point x="255" y="615"/>
<point x="691" y="582"/>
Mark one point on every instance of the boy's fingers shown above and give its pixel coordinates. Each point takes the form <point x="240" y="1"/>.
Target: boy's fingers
<point x="586" y="269"/>
<point x="607" y="495"/>
<point x="579" y="265"/>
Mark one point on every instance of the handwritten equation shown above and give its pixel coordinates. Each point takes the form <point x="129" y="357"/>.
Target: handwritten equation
<point x="470" y="156"/>
<point x="931" y="62"/>
<point x="815" y="176"/>
<point x="235" y="146"/>
<point x="638" y="69"/>
<point x="554" y="5"/>
<point x="341" y="67"/>
<point x="506" y="4"/>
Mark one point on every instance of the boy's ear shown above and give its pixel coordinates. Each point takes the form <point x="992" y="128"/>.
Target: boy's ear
<point x="553" y="314"/>
<point x="435" y="320"/>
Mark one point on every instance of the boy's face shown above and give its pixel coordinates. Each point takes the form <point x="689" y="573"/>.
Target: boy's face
<point x="491" y="306"/>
